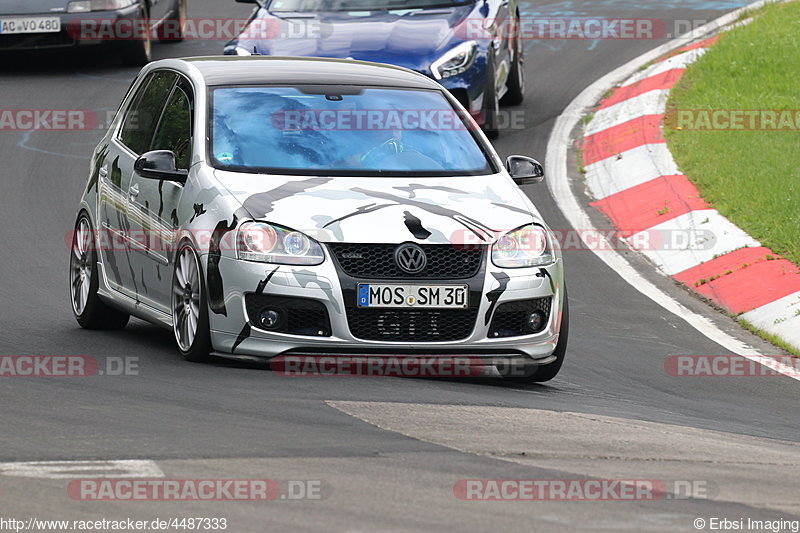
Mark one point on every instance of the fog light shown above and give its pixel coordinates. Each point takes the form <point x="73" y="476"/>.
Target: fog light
<point x="536" y="321"/>
<point x="269" y="318"/>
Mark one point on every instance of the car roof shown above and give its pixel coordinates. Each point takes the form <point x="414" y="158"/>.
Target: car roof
<point x="270" y="70"/>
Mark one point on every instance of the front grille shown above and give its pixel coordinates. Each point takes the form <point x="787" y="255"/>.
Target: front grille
<point x="376" y="261"/>
<point x="419" y="325"/>
<point x="26" y="41"/>
<point x="511" y="319"/>
<point x="299" y="316"/>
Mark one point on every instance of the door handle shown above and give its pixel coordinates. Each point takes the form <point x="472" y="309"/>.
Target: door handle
<point x="134" y="190"/>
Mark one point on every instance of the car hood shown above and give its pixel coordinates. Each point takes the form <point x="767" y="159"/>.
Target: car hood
<point x="462" y="210"/>
<point x="28" y="7"/>
<point x="411" y="39"/>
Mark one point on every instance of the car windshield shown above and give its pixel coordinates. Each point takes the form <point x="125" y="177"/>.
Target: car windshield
<point x="342" y="130"/>
<point x="300" y="6"/>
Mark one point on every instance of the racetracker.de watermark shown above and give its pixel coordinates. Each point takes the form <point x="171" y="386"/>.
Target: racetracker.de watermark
<point x="731" y="366"/>
<point x="206" y="29"/>
<point x="66" y="366"/>
<point x="401" y="120"/>
<point x="416" y="366"/>
<point x="190" y="490"/>
<point x="49" y="120"/>
<point x="779" y="120"/>
<point x="578" y="28"/>
<point x="573" y="490"/>
<point x="563" y="28"/>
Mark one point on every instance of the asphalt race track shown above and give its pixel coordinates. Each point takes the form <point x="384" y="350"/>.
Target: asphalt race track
<point x="387" y="452"/>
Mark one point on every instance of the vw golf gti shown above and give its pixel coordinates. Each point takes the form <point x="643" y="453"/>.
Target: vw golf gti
<point x="262" y="207"/>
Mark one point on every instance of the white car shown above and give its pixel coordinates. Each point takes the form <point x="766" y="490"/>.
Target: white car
<point x="263" y="206"/>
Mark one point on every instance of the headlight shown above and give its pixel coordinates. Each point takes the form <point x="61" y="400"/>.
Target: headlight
<point x="527" y="246"/>
<point x="258" y="241"/>
<point x="455" y="61"/>
<point x="85" y="6"/>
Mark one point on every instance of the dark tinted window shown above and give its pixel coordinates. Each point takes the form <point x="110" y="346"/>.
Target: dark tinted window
<point x="145" y="110"/>
<point x="174" y="132"/>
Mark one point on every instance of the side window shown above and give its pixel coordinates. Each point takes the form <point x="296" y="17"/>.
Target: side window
<point x="174" y="131"/>
<point x="142" y="116"/>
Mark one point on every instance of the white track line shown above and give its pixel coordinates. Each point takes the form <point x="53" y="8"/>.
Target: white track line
<point x="74" y="469"/>
<point x="558" y="183"/>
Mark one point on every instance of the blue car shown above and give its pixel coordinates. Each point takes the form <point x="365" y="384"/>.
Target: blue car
<point x="470" y="46"/>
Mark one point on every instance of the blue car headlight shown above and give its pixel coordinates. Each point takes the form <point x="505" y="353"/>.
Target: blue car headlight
<point x="455" y="61"/>
<point x="528" y="246"/>
<point x="266" y="243"/>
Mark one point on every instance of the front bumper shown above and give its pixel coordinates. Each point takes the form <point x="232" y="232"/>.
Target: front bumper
<point x="235" y="335"/>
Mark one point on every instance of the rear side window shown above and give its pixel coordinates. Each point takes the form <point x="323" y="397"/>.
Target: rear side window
<point x="174" y="131"/>
<point x="144" y="112"/>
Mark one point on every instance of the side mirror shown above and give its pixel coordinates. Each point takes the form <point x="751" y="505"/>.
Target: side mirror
<point x="524" y="170"/>
<point x="160" y="165"/>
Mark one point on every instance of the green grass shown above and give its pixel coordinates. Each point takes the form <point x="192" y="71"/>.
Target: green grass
<point x="750" y="13"/>
<point x="751" y="177"/>
<point x="774" y="339"/>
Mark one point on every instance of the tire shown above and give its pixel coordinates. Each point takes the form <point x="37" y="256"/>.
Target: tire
<point x="491" y="104"/>
<point x="172" y="30"/>
<point x="516" y="77"/>
<point x="190" y="307"/>
<point x="89" y="310"/>
<point x="547" y="372"/>
<point x="138" y="52"/>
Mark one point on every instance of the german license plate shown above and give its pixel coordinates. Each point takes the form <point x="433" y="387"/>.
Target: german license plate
<point x="420" y="296"/>
<point x="29" y="25"/>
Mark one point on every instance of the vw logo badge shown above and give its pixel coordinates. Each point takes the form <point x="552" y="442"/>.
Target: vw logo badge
<point x="410" y="258"/>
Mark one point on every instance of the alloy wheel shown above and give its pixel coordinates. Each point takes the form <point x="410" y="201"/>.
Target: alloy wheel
<point x="81" y="266"/>
<point x="186" y="298"/>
